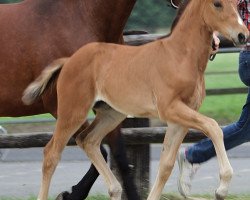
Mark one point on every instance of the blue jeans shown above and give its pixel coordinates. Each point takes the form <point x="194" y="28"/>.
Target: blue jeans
<point x="234" y="134"/>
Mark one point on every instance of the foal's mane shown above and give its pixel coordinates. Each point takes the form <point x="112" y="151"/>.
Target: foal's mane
<point x="180" y="11"/>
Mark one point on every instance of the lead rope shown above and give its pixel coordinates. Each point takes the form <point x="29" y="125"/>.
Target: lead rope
<point x="212" y="56"/>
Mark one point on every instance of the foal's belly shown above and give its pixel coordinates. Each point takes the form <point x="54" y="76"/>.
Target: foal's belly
<point x="139" y="105"/>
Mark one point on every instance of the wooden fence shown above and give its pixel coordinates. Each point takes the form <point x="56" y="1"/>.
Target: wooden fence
<point x="137" y="140"/>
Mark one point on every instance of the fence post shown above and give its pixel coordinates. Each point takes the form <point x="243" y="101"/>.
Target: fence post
<point x="138" y="158"/>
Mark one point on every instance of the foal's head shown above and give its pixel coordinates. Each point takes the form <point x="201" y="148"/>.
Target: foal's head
<point x="222" y="16"/>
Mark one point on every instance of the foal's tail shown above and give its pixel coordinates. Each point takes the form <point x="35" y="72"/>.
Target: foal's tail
<point x="37" y="87"/>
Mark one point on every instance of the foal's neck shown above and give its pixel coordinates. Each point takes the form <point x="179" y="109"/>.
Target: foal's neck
<point x="192" y="36"/>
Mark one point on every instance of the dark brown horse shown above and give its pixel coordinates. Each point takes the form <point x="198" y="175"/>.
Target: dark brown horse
<point x="33" y="33"/>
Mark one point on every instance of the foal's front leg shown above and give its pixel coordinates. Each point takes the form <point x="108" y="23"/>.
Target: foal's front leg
<point x="184" y="115"/>
<point x="172" y="141"/>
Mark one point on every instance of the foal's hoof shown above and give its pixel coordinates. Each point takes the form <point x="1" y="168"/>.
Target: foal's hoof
<point x="219" y="197"/>
<point x="62" y="196"/>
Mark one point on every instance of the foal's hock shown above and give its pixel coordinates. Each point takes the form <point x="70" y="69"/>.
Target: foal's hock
<point x="163" y="79"/>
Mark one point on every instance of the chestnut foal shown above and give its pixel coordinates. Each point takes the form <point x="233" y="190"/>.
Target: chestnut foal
<point x="163" y="79"/>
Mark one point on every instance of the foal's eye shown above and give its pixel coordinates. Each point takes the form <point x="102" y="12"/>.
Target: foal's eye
<point x="217" y="4"/>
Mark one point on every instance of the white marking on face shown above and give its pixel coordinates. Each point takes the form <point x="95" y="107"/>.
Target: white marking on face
<point x="240" y="21"/>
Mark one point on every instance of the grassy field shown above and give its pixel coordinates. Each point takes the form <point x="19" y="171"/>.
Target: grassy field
<point x="164" y="197"/>
<point x="224" y="109"/>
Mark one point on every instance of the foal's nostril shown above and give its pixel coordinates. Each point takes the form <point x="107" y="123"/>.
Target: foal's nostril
<point x="242" y="38"/>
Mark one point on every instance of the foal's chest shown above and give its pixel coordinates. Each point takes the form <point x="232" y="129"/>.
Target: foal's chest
<point x="195" y="99"/>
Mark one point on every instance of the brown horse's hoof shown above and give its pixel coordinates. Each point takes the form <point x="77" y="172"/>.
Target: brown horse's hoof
<point x="62" y="196"/>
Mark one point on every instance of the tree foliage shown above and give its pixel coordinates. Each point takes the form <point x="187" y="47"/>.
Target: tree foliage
<point x="9" y="1"/>
<point x="151" y="15"/>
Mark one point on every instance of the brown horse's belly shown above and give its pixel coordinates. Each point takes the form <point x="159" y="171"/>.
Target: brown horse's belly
<point x="17" y="109"/>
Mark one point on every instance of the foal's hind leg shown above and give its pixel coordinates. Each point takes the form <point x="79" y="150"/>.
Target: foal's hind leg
<point x="81" y="190"/>
<point x="172" y="141"/>
<point x="106" y="120"/>
<point x="69" y="121"/>
<point x="118" y="150"/>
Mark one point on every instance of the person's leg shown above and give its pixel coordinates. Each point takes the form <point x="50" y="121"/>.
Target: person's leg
<point x="235" y="134"/>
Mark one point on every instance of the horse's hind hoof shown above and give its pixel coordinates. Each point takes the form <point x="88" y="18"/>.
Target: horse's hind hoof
<point x="62" y="196"/>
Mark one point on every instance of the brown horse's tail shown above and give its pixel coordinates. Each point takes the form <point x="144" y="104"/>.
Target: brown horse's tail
<point x="36" y="88"/>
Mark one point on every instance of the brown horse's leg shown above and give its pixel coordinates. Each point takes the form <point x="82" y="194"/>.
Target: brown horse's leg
<point x="172" y="141"/>
<point x="106" y="120"/>
<point x="118" y="150"/>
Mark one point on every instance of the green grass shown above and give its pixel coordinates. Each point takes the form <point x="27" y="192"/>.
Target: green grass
<point x="203" y="197"/>
<point x="224" y="109"/>
<point x="164" y="197"/>
<point x="96" y="197"/>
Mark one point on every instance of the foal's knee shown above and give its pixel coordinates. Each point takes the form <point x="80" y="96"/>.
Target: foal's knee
<point x="226" y="174"/>
<point x="213" y="130"/>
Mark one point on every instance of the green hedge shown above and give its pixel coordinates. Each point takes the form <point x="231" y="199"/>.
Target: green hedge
<point x="9" y="1"/>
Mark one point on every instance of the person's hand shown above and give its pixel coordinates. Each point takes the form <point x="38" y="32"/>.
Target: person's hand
<point x="216" y="43"/>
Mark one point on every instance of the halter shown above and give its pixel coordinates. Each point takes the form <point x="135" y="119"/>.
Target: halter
<point x="172" y="3"/>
